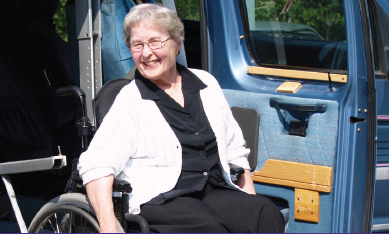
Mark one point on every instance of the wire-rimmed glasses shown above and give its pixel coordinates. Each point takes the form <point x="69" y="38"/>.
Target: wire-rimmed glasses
<point x="153" y="45"/>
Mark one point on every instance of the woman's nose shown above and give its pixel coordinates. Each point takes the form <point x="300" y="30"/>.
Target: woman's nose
<point x="146" y="50"/>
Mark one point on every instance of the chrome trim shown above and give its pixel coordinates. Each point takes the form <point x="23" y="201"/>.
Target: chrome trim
<point x="42" y="164"/>
<point x="382" y="173"/>
<point x="378" y="227"/>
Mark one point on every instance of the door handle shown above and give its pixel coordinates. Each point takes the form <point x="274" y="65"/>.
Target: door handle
<point x="318" y="108"/>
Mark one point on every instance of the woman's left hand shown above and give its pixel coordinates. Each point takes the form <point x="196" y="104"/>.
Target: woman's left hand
<point x="246" y="182"/>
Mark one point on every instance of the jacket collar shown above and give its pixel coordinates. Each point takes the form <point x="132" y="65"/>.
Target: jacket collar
<point x="149" y="90"/>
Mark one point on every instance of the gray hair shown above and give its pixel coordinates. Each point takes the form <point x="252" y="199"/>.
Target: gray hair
<point x="155" y="15"/>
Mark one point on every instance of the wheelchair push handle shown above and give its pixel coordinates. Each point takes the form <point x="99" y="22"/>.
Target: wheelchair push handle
<point x="83" y="124"/>
<point x="77" y="93"/>
<point x="70" y="90"/>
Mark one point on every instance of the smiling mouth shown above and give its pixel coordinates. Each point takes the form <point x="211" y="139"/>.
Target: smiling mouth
<point x="151" y="62"/>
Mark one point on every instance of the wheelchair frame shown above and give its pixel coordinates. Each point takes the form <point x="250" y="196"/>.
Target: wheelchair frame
<point x="78" y="202"/>
<point x="50" y="163"/>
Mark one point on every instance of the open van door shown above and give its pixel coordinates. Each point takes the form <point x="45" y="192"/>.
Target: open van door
<point x="308" y="68"/>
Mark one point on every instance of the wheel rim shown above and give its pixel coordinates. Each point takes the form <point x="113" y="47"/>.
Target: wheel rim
<point x="68" y="221"/>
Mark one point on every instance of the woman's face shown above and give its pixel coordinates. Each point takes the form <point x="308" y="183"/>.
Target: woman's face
<point x="158" y="64"/>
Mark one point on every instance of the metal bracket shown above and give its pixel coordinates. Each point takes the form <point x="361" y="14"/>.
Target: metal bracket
<point x="306" y="205"/>
<point x="42" y="164"/>
<point x="88" y="31"/>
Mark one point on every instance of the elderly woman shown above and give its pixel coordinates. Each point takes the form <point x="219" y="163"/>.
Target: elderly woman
<point x="171" y="134"/>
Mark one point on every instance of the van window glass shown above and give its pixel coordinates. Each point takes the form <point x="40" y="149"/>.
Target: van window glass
<point x="60" y="22"/>
<point x="297" y="34"/>
<point x="189" y="12"/>
<point x="186" y="9"/>
<point x="379" y="21"/>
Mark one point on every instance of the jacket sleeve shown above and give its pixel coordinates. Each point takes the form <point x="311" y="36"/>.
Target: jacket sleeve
<point x="113" y="143"/>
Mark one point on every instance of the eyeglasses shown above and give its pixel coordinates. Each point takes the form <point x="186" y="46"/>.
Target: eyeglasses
<point x="153" y="45"/>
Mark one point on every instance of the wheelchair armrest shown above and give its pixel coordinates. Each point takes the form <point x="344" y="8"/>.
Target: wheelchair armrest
<point x="121" y="187"/>
<point x="120" y="197"/>
<point x="236" y="172"/>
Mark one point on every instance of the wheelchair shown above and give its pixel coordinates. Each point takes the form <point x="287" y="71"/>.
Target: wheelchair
<point x="72" y="211"/>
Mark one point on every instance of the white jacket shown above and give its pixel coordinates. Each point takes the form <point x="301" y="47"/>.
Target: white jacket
<point x="137" y="145"/>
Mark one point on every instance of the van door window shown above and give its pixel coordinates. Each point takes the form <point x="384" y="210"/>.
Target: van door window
<point x="297" y="34"/>
<point x="189" y="13"/>
<point x="379" y="20"/>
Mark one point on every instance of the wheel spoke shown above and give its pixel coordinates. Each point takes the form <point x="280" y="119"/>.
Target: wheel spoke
<point x="50" y="225"/>
<point x="64" y="218"/>
<point x="70" y="223"/>
<point x="66" y="221"/>
<point x="56" y="222"/>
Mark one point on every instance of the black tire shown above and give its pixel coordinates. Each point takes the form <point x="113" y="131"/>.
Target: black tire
<point x="71" y="212"/>
<point x="65" y="219"/>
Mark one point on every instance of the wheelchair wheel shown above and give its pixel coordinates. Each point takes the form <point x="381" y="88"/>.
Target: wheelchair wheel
<point x="70" y="212"/>
<point x="65" y="219"/>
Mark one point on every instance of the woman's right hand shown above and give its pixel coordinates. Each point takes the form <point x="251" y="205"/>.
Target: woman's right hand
<point x="246" y="182"/>
<point x="100" y="195"/>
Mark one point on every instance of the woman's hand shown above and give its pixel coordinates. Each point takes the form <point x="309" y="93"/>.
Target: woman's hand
<point x="246" y="182"/>
<point x="100" y="195"/>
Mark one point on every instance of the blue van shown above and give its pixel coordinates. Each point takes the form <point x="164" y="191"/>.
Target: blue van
<point x="311" y="77"/>
<point x="317" y="73"/>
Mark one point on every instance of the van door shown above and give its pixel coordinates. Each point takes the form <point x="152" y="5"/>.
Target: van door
<point x="307" y="67"/>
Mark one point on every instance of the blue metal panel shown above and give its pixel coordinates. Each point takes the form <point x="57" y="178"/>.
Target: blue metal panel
<point x="381" y="200"/>
<point x="385" y="5"/>
<point x="351" y="171"/>
<point x="382" y="132"/>
<point x="382" y="151"/>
